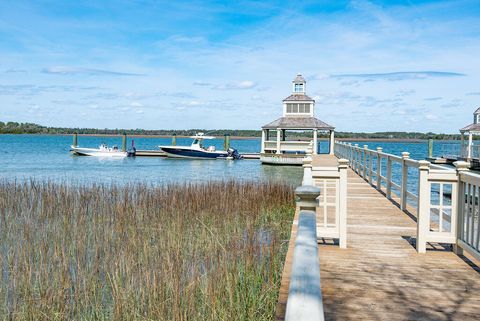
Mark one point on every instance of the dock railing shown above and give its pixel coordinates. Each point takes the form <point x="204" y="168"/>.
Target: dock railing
<point x="304" y="301"/>
<point x="445" y="202"/>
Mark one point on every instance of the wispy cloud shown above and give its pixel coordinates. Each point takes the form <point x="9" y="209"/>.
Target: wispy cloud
<point x="246" y="84"/>
<point x="201" y="83"/>
<point x="15" y="70"/>
<point x="400" y="75"/>
<point x="65" y="70"/>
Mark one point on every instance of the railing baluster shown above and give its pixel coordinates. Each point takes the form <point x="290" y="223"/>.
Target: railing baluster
<point x="477" y="246"/>
<point x="364" y="165"/>
<point x="357" y="159"/>
<point x="472" y="227"/>
<point x="389" y="177"/>
<point x="379" y="168"/>
<point x="468" y="213"/>
<point x="403" y="192"/>
<point x="370" y="167"/>
<point x="440" y="209"/>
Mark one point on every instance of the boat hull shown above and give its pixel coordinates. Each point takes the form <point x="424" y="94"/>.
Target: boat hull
<point x="97" y="153"/>
<point x="177" y="152"/>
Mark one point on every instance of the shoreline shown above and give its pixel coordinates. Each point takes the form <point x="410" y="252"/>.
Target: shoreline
<point x="350" y="139"/>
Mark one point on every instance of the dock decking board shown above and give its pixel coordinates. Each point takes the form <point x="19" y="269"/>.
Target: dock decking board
<point x="380" y="276"/>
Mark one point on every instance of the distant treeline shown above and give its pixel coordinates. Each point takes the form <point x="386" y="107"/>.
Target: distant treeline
<point x="30" y="128"/>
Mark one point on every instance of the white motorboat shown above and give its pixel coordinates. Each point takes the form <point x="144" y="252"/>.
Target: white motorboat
<point x="102" y="151"/>
<point x="198" y="151"/>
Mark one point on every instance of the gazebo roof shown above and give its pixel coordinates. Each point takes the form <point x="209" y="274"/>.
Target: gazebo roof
<point x="299" y="79"/>
<point x="471" y="128"/>
<point x="298" y="97"/>
<point x="298" y="123"/>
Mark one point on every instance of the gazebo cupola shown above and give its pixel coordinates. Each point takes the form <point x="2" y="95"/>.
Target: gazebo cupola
<point x="476" y="116"/>
<point x="298" y="115"/>
<point x="298" y="103"/>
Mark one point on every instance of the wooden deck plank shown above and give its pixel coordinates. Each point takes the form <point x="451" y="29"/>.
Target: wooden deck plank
<point x="380" y="276"/>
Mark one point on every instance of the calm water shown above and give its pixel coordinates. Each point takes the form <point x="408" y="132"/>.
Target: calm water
<point x="48" y="158"/>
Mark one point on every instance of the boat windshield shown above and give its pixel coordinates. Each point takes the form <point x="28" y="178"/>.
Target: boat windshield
<point x="197" y="142"/>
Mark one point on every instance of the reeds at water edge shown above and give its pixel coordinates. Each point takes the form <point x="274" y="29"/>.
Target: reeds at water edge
<point x="210" y="251"/>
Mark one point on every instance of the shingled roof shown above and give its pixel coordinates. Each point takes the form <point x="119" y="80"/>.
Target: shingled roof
<point x="298" y="97"/>
<point x="477" y="111"/>
<point x="298" y="123"/>
<point x="471" y="128"/>
<point x="299" y="79"/>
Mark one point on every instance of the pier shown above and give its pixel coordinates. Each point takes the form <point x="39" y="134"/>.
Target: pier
<point x="386" y="251"/>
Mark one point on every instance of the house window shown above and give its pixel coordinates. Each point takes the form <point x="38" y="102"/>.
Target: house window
<point x="301" y="108"/>
<point x="307" y="108"/>
<point x="299" y="88"/>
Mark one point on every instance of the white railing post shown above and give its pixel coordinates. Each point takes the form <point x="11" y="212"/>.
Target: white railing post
<point x="370" y="167"/>
<point x="357" y="156"/>
<point x="379" y="168"/>
<point x="307" y="168"/>
<point x="351" y="153"/>
<point x="423" y="215"/>
<point x="403" y="192"/>
<point x="364" y="165"/>
<point x="307" y="197"/>
<point x="388" y="178"/>
<point x="460" y="167"/>
<point x="342" y="202"/>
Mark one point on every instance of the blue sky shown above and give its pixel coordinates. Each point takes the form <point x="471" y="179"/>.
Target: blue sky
<point x="370" y="65"/>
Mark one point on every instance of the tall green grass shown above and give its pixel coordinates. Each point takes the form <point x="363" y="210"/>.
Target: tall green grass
<point x="211" y="251"/>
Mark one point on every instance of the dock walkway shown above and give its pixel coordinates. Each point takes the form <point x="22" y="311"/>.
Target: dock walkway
<point x="380" y="276"/>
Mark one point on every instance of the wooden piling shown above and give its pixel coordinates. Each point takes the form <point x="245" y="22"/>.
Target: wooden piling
<point x="174" y="139"/>
<point x="75" y="139"/>
<point x="124" y="142"/>
<point x="226" y="142"/>
<point x="430" y="148"/>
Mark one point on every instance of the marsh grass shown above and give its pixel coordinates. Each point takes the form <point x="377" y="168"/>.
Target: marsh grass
<point x="211" y="251"/>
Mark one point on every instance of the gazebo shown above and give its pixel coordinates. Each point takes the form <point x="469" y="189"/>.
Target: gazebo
<point x="298" y="115"/>
<point x="466" y="151"/>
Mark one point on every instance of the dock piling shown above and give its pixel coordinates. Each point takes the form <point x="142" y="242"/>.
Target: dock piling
<point x="124" y="142"/>
<point x="430" y="148"/>
<point x="75" y="139"/>
<point x="226" y="142"/>
<point x="174" y="139"/>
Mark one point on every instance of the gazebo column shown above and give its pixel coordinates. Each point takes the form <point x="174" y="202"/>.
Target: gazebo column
<point x="263" y="140"/>
<point x="278" y="140"/>
<point x="469" y="149"/>
<point x="315" y="142"/>
<point x="332" y="142"/>
<point x="462" y="145"/>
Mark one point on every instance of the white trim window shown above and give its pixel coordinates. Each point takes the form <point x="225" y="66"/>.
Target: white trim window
<point x="299" y="88"/>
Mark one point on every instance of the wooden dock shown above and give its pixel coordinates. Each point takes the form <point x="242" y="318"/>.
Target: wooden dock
<point x="380" y="276"/>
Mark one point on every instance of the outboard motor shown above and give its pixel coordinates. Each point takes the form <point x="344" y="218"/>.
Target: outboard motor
<point x="132" y="151"/>
<point x="234" y="153"/>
